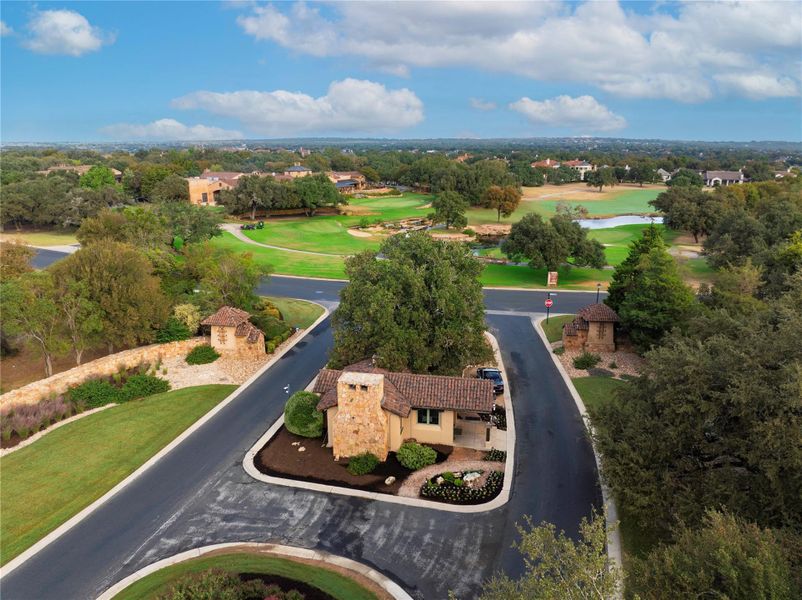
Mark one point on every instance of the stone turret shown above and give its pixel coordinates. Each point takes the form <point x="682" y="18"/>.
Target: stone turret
<point x="360" y="424"/>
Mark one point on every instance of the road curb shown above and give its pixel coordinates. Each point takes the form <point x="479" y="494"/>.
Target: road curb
<point x="611" y="511"/>
<point x="390" y="586"/>
<point x="72" y="522"/>
<point x="248" y="463"/>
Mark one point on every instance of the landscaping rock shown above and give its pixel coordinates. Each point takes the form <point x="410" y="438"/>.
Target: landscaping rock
<point x="390" y="480"/>
<point x="301" y="449"/>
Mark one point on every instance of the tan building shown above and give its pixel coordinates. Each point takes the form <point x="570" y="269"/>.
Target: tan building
<point x="593" y="329"/>
<point x="233" y="333"/>
<point x="297" y="170"/>
<point x="347" y="181"/>
<point x="373" y="410"/>
<point x="580" y="166"/>
<point x="205" y="191"/>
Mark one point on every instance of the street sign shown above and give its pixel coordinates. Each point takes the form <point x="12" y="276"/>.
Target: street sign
<point x="549" y="302"/>
<point x="552" y="279"/>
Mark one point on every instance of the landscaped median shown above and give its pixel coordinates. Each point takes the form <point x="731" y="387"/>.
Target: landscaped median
<point x="46" y="483"/>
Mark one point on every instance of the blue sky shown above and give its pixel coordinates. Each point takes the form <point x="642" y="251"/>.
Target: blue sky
<point x="94" y="71"/>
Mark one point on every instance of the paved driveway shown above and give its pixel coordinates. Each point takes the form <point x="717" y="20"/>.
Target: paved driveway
<point x="198" y="494"/>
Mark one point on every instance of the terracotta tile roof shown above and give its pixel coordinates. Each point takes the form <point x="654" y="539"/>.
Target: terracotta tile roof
<point x="599" y="313"/>
<point x="405" y="391"/>
<point x="227" y="316"/>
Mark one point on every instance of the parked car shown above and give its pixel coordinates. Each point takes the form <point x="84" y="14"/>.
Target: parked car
<point x="493" y="375"/>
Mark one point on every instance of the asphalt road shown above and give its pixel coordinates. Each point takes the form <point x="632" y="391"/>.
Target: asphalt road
<point x="198" y="494"/>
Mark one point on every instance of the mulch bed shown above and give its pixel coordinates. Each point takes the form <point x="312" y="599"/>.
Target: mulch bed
<point x="309" y="592"/>
<point x="279" y="458"/>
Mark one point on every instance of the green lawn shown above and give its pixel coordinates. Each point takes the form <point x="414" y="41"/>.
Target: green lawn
<point x="578" y="278"/>
<point x="336" y="585"/>
<point x="596" y="390"/>
<point x="554" y="328"/>
<point x="297" y="313"/>
<point x="41" y="238"/>
<point x="45" y="484"/>
<point x="622" y="202"/>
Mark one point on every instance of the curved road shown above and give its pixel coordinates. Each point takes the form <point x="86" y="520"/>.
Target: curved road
<point x="198" y="494"/>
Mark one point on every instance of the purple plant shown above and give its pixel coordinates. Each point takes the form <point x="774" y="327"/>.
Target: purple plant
<point x="30" y="418"/>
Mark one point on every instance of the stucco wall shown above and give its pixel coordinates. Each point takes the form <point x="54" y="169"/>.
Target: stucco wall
<point x="108" y="365"/>
<point x="601" y="337"/>
<point x="443" y="433"/>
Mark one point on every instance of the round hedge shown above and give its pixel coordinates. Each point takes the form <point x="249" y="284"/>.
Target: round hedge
<point x="301" y="416"/>
<point x="202" y="355"/>
<point x="362" y="464"/>
<point x="414" y="456"/>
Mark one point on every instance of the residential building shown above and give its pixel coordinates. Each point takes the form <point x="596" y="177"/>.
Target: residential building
<point x="347" y="181"/>
<point x="297" y="170"/>
<point x="232" y="333"/>
<point x="664" y="175"/>
<point x="581" y="166"/>
<point x="545" y="164"/>
<point x="592" y="330"/>
<point x="714" y="178"/>
<point x="369" y="409"/>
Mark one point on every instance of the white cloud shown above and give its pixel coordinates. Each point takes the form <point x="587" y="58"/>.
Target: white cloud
<point x="676" y="55"/>
<point x="758" y="86"/>
<point x="582" y="113"/>
<point x="5" y="29"/>
<point x="64" y="32"/>
<point x="349" y="106"/>
<point x="480" y="104"/>
<point x="168" y="130"/>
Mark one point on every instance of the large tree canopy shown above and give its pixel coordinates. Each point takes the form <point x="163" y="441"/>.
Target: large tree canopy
<point x="449" y="208"/>
<point x="420" y="307"/>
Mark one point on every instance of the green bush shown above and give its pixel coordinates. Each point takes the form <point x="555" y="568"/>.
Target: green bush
<point x="139" y="386"/>
<point x="586" y="360"/>
<point x="301" y="416"/>
<point x="362" y="464"/>
<point x="495" y="455"/>
<point x="559" y="351"/>
<point x="271" y="326"/>
<point x="220" y="584"/>
<point x="94" y="393"/>
<point x="202" y="355"/>
<point x="415" y="456"/>
<point x="270" y="346"/>
<point x="173" y="331"/>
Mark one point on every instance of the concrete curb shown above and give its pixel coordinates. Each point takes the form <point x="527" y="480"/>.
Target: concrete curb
<point x="551" y="289"/>
<point x="66" y="526"/>
<point x="611" y="511"/>
<point x="248" y="463"/>
<point x="391" y="587"/>
<point x="40" y="434"/>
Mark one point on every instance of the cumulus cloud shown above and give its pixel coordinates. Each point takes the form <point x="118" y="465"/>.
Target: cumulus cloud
<point x="349" y="106"/>
<point x="64" y="32"/>
<point x="674" y="53"/>
<point x="583" y="113"/>
<point x="168" y="130"/>
<point x="480" y="104"/>
<point x="758" y="86"/>
<point x="5" y="29"/>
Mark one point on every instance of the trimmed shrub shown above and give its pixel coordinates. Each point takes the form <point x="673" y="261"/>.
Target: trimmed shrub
<point x="217" y="583"/>
<point x="26" y="419"/>
<point x="458" y="493"/>
<point x="202" y="355"/>
<point x="414" y="456"/>
<point x="301" y="416"/>
<point x="94" y="393"/>
<point x="586" y="360"/>
<point x="362" y="464"/>
<point x="173" y="331"/>
<point x="495" y="455"/>
<point x="559" y="351"/>
<point x="270" y="325"/>
<point x="139" y="386"/>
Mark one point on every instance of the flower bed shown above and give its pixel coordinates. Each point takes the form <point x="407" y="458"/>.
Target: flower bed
<point x="469" y="487"/>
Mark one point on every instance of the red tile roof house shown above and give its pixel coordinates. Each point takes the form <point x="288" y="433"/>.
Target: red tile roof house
<point x="233" y="333"/>
<point x="592" y="330"/>
<point x="369" y="409"/>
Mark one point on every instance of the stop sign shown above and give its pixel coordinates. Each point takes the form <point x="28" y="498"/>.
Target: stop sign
<point x="549" y="302"/>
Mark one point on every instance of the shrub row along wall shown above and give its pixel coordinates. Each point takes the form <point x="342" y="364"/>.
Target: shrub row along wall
<point x="101" y="367"/>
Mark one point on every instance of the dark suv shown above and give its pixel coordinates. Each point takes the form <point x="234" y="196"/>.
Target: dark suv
<point x="493" y="375"/>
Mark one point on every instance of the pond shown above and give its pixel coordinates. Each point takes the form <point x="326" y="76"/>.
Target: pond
<point x="616" y="221"/>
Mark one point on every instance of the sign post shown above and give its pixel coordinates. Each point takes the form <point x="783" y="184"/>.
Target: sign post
<point x="549" y="302"/>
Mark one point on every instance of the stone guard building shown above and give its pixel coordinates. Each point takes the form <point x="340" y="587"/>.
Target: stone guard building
<point x="233" y="333"/>
<point x="373" y="410"/>
<point x="593" y="329"/>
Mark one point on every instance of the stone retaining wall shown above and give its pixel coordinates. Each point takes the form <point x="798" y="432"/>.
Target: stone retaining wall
<point x="101" y="367"/>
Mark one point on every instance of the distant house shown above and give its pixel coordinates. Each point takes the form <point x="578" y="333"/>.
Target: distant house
<point x="592" y="330"/>
<point x="714" y="178"/>
<point x="205" y="190"/>
<point x="664" y="175"/>
<point x="369" y="409"/>
<point x="233" y="333"/>
<point x="297" y="170"/>
<point x="545" y="164"/>
<point x="347" y="181"/>
<point x="581" y="166"/>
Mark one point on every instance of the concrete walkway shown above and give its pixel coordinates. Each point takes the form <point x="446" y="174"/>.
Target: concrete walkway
<point x="234" y="230"/>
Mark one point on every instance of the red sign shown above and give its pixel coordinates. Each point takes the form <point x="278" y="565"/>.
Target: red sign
<point x="549" y="302"/>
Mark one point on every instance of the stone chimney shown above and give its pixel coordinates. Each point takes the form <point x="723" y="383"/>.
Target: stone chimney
<point x="360" y="424"/>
